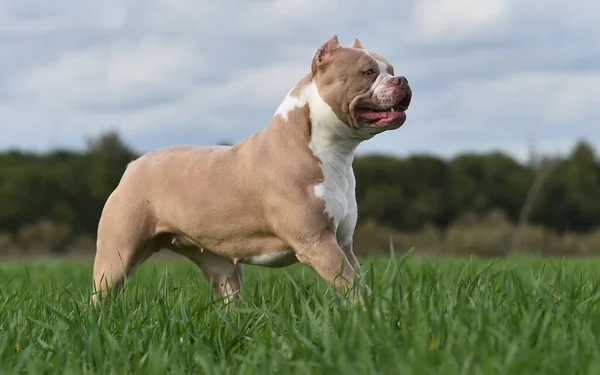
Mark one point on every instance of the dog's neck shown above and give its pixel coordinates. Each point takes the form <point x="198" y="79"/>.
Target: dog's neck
<point x="331" y="140"/>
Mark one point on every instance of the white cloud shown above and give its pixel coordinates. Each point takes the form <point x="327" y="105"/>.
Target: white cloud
<point x="552" y="110"/>
<point x="553" y="98"/>
<point x="119" y="84"/>
<point x="113" y="76"/>
<point x="458" y="21"/>
<point x="46" y="17"/>
<point x="485" y="74"/>
<point x="264" y="85"/>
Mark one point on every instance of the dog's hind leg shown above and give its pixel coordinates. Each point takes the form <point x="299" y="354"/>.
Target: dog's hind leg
<point x="225" y="277"/>
<point x="124" y="242"/>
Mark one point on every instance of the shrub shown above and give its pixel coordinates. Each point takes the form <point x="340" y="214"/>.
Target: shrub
<point x="487" y="235"/>
<point x="7" y="244"/>
<point x="44" y="235"/>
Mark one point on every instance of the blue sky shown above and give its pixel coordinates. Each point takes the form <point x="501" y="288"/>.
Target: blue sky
<point x="486" y="74"/>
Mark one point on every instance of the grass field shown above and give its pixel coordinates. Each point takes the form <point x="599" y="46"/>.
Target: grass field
<point x="443" y="316"/>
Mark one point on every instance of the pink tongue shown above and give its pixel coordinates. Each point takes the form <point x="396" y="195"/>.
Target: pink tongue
<point x="373" y="115"/>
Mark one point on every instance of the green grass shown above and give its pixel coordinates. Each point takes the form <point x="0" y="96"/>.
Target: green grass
<point x="443" y="316"/>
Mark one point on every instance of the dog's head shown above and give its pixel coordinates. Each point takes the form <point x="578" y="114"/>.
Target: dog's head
<point x="361" y="87"/>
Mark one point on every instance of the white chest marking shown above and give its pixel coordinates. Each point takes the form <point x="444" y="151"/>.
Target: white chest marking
<point x="334" y="144"/>
<point x="337" y="186"/>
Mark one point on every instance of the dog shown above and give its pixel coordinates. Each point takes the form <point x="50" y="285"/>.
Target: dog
<point x="283" y="195"/>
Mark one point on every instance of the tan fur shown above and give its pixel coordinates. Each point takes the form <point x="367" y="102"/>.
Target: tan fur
<point x="225" y="206"/>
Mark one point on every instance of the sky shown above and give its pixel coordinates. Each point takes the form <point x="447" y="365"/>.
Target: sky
<point x="486" y="75"/>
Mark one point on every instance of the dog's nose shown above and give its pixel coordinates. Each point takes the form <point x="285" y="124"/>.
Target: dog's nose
<point x="400" y="81"/>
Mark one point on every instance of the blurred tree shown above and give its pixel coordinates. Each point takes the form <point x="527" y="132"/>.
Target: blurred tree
<point x="480" y="183"/>
<point x="570" y="201"/>
<point x="404" y="194"/>
<point x="67" y="189"/>
<point x="106" y="159"/>
<point x="378" y="189"/>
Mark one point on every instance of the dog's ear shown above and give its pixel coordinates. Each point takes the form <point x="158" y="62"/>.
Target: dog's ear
<point x="357" y="44"/>
<point x="324" y="52"/>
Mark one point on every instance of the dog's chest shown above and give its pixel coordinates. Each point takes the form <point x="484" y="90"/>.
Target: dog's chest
<point x="337" y="189"/>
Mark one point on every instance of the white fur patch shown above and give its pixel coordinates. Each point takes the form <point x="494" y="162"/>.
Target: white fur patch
<point x="334" y="144"/>
<point x="285" y="257"/>
<point x="383" y="75"/>
<point x="290" y="103"/>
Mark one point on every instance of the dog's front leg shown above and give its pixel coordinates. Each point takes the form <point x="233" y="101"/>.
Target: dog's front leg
<point x="329" y="261"/>
<point x="349" y="252"/>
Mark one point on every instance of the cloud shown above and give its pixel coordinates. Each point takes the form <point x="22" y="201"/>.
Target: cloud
<point x="507" y="113"/>
<point x="485" y="76"/>
<point x="458" y="21"/>
<point x="116" y="77"/>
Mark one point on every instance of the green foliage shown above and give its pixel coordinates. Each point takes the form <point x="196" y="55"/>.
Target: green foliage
<point x="64" y="187"/>
<point x="431" y="317"/>
<point x="570" y="200"/>
<point x="68" y="189"/>
<point x="406" y="194"/>
<point x="45" y="234"/>
<point x="487" y="235"/>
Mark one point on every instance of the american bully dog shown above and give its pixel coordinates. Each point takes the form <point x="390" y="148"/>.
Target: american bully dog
<point x="283" y="195"/>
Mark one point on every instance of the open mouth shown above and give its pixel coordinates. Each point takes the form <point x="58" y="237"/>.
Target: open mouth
<point x="384" y="116"/>
<point x="367" y="110"/>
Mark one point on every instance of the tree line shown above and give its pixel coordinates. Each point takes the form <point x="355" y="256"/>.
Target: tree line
<point x="407" y="193"/>
<point x="69" y="188"/>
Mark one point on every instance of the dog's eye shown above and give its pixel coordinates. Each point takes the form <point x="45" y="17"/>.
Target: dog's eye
<point x="368" y="72"/>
